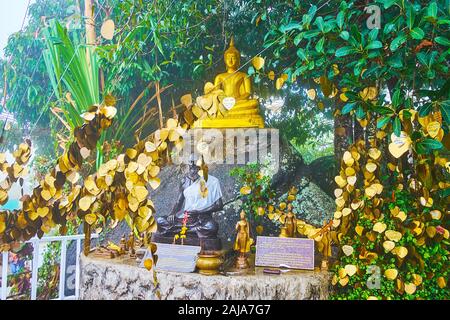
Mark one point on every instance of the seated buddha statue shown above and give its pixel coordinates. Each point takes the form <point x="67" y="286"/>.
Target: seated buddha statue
<point x="196" y="208"/>
<point x="235" y="84"/>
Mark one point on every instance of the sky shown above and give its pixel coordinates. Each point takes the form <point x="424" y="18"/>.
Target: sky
<point x="11" y="17"/>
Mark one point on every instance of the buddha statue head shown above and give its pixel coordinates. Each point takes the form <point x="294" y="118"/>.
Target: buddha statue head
<point x="232" y="57"/>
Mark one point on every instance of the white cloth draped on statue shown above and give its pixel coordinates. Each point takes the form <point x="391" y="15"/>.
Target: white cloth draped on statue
<point x="194" y="199"/>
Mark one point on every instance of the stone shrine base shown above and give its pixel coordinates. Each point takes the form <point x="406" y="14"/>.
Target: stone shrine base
<point x="122" y="279"/>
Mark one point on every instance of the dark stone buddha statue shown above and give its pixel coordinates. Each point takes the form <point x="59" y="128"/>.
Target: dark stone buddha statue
<point x="198" y="200"/>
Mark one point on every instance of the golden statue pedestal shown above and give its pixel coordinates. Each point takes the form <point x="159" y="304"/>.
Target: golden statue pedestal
<point x="224" y="123"/>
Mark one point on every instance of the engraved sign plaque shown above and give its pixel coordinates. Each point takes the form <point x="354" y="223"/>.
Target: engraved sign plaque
<point x="293" y="253"/>
<point x="173" y="257"/>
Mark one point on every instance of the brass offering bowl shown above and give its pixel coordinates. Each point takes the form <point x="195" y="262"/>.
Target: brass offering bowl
<point x="209" y="263"/>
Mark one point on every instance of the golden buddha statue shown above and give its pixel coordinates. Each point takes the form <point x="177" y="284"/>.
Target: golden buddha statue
<point x="243" y="241"/>
<point x="238" y="86"/>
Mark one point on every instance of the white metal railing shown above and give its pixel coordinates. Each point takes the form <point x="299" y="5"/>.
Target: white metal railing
<point x="35" y="265"/>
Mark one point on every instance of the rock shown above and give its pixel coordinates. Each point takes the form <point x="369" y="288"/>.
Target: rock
<point x="314" y="205"/>
<point x="117" y="280"/>
<point x="322" y="171"/>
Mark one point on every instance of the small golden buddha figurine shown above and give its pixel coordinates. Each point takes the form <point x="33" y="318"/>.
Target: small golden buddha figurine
<point x="235" y="84"/>
<point x="131" y="244"/>
<point x="324" y="246"/>
<point x="243" y="242"/>
<point x="289" y="230"/>
<point x="123" y="245"/>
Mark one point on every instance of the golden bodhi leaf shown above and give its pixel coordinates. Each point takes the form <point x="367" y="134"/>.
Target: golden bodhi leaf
<point x="351" y="180"/>
<point x="388" y="245"/>
<point x="435" y="214"/>
<point x="186" y="100"/>
<point x="417" y="279"/>
<point x="399" y="145"/>
<point x="107" y="29"/>
<point x="341" y="182"/>
<point x="410" y="288"/>
<point x="369" y="93"/>
<point x="348" y="250"/>
<point x="279" y="83"/>
<point x="338" y="192"/>
<point x="391" y="274"/>
<point x="131" y="153"/>
<point x="359" y="230"/>
<point x="148" y="264"/>
<point x="246" y="190"/>
<point x="259" y="229"/>
<point x="371" y="167"/>
<point x="379" y="227"/>
<point x="348" y="158"/>
<point x="261" y="211"/>
<point x="172" y="123"/>
<point x="90" y="218"/>
<point x="433" y="128"/>
<point x="441" y="282"/>
<point x="258" y="62"/>
<point x="154" y="183"/>
<point x="311" y="93"/>
<point x="350" y="269"/>
<point x="400" y="252"/>
<point x="86" y="202"/>
<point x="393" y="235"/>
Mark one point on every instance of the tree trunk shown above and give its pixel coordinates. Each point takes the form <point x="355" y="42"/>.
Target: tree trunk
<point x="358" y="131"/>
<point x="90" y="29"/>
<point x="343" y="133"/>
<point x="90" y="22"/>
<point x="371" y="129"/>
<point x="90" y="42"/>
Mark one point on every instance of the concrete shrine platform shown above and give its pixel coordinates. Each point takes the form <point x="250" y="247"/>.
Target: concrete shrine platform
<point x="122" y="279"/>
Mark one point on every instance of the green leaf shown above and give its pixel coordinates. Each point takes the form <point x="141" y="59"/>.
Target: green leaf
<point x="443" y="41"/>
<point x="344" y="51"/>
<point x="344" y="35"/>
<point x="298" y="38"/>
<point x="388" y="3"/>
<point x="311" y="34"/>
<point x="290" y="26"/>
<point x="319" y="23"/>
<point x="395" y="61"/>
<point x="397" y="126"/>
<point x="430" y="144"/>
<point x="397" y="42"/>
<point x="348" y="107"/>
<point x="422" y="57"/>
<point x="396" y="98"/>
<point x="312" y="12"/>
<point x="410" y="15"/>
<point x="373" y="35"/>
<point x="340" y="19"/>
<point x="319" y="45"/>
<point x="445" y="110"/>
<point x="374" y="45"/>
<point x="381" y="122"/>
<point x="424" y="109"/>
<point x="388" y="28"/>
<point x="432" y="10"/>
<point x="417" y="33"/>
<point x="302" y="54"/>
<point x="360" y="114"/>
